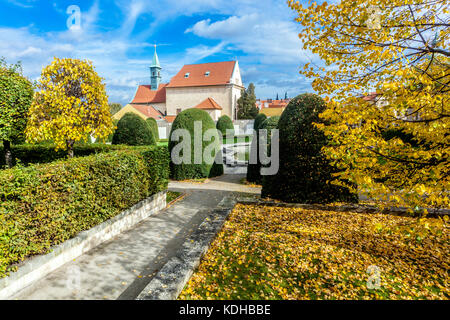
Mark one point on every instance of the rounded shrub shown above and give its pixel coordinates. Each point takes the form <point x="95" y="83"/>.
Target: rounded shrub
<point x="253" y="169"/>
<point x="260" y="118"/>
<point x="224" y="123"/>
<point x="189" y="169"/>
<point x="154" y="127"/>
<point x="132" y="130"/>
<point x="305" y="175"/>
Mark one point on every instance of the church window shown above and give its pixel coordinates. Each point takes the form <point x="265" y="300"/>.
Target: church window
<point x="207" y="74"/>
<point x="187" y="75"/>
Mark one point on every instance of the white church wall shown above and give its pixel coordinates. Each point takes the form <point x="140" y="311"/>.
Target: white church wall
<point x="188" y="97"/>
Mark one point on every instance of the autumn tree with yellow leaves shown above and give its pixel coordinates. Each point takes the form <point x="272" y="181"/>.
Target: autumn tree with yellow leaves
<point x="70" y="105"/>
<point x="394" y="143"/>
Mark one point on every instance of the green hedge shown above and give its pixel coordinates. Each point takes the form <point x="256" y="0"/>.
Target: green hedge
<point x="132" y="130"/>
<point x="154" y="127"/>
<point x="305" y="174"/>
<point x="253" y="169"/>
<point x="185" y="120"/>
<point x="44" y="153"/>
<point x="44" y="205"/>
<point x="224" y="123"/>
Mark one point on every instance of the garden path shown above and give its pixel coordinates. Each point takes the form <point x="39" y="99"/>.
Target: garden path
<point x="123" y="266"/>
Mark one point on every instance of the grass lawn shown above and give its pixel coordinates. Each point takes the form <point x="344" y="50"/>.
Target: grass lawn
<point x="287" y="253"/>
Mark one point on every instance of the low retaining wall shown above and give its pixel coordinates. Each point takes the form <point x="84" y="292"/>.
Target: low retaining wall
<point x="37" y="267"/>
<point x="173" y="276"/>
<point x="357" y="208"/>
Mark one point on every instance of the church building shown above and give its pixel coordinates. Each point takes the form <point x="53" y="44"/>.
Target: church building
<point x="213" y="87"/>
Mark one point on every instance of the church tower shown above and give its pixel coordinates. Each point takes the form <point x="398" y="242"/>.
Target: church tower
<point x="155" y="72"/>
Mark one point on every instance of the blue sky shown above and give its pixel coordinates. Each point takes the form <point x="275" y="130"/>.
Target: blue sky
<point x="117" y="35"/>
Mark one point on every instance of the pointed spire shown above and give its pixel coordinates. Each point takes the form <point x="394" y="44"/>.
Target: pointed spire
<point x="155" y="62"/>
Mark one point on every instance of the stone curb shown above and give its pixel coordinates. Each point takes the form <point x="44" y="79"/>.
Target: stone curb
<point x="357" y="208"/>
<point x="38" y="267"/>
<point x="173" y="276"/>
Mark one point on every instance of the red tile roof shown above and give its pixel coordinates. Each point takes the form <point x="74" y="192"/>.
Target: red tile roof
<point x="148" y="111"/>
<point x="170" y="119"/>
<point x="371" y="97"/>
<point x="219" y="73"/>
<point x="144" y="94"/>
<point x="208" y="104"/>
<point x="273" y="104"/>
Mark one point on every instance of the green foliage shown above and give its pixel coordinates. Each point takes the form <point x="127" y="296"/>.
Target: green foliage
<point x="132" y="130"/>
<point x="224" y="123"/>
<point x="110" y="137"/>
<point x="16" y="95"/>
<point x="246" y="104"/>
<point x="253" y="169"/>
<point x="185" y="120"/>
<point x="114" y="108"/>
<point x="260" y="118"/>
<point x="154" y="128"/>
<point x="44" y="205"/>
<point x="305" y="174"/>
<point x="27" y="154"/>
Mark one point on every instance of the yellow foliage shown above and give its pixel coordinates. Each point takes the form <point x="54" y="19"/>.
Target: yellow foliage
<point x="70" y="105"/>
<point x="287" y="253"/>
<point x="398" y="49"/>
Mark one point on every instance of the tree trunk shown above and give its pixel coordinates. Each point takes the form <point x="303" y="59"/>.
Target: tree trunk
<point x="8" y="153"/>
<point x="70" y="148"/>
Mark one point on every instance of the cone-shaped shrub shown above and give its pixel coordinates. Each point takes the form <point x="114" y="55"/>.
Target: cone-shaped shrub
<point x="132" y="130"/>
<point x="253" y="169"/>
<point x="224" y="123"/>
<point x="305" y="174"/>
<point x="154" y="127"/>
<point x="191" y="170"/>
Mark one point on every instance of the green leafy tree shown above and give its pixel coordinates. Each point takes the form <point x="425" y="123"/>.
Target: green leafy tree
<point x="16" y="95"/>
<point x="247" y="103"/>
<point x="114" y="108"/>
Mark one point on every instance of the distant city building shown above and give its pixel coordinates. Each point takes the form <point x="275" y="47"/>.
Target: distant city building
<point x="271" y="107"/>
<point x="213" y="87"/>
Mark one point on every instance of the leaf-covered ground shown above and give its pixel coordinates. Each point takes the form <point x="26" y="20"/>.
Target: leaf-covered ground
<point x="285" y="253"/>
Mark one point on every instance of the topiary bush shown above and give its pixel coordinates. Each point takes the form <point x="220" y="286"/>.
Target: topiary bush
<point x="185" y="120"/>
<point x="224" y="123"/>
<point x="154" y="127"/>
<point x="132" y="130"/>
<point x="44" y="205"/>
<point x="260" y="118"/>
<point x="253" y="169"/>
<point x="305" y="174"/>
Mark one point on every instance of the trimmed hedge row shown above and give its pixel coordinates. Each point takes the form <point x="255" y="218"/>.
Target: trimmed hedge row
<point x="44" y="205"/>
<point x="44" y="153"/>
